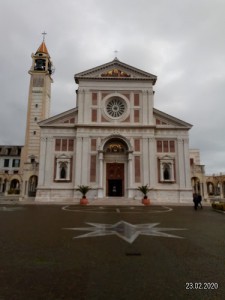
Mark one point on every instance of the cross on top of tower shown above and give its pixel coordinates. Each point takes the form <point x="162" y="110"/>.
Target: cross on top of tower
<point x="116" y="52"/>
<point x="44" y="34"/>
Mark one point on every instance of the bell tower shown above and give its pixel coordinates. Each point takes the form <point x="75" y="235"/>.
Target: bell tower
<point x="39" y="99"/>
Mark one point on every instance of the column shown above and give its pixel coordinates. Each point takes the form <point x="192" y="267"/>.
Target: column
<point x="130" y="175"/>
<point x="6" y="187"/>
<point x="100" y="188"/>
<point x="187" y="164"/>
<point x="85" y="161"/>
<point x="80" y="104"/>
<point x="144" y="108"/>
<point x="152" y="163"/>
<point x="132" y="107"/>
<point x="87" y="103"/>
<point x="181" y="165"/>
<point x="150" y="106"/>
<point x="145" y="161"/>
<point x="78" y="165"/>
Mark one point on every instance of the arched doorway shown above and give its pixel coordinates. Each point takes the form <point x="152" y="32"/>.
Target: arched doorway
<point x="115" y="179"/>
<point x="15" y="186"/>
<point x="32" y="186"/>
<point x="4" y="185"/>
<point x="115" y="158"/>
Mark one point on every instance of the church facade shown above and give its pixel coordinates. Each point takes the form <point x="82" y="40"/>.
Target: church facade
<point x="114" y="140"/>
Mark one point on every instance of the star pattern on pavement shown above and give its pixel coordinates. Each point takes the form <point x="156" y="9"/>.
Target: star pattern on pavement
<point x="126" y="231"/>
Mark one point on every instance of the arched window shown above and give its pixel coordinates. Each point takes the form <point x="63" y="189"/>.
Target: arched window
<point x="63" y="169"/>
<point x="166" y="171"/>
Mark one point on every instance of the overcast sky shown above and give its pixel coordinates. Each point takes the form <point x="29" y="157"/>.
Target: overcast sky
<point x="182" y="42"/>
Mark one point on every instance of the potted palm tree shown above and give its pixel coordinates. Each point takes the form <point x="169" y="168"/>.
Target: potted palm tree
<point x="83" y="189"/>
<point x="144" y="189"/>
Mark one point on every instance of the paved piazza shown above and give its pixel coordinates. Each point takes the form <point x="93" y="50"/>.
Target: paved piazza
<point x="68" y="252"/>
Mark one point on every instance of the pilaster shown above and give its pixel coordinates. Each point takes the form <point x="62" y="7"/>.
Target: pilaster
<point x="181" y="165"/>
<point x="100" y="176"/>
<point x="144" y="107"/>
<point x="130" y="175"/>
<point x="150" y="100"/>
<point x="187" y="164"/>
<point x="152" y="166"/>
<point x="145" y="161"/>
<point x="85" y="161"/>
<point x="78" y="164"/>
<point x="80" y="104"/>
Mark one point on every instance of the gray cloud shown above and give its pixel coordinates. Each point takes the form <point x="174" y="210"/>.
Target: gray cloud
<point x="182" y="42"/>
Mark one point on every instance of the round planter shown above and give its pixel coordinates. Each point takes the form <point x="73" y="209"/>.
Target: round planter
<point x="83" y="201"/>
<point x="146" y="201"/>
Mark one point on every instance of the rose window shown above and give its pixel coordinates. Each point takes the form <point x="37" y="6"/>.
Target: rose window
<point x="115" y="107"/>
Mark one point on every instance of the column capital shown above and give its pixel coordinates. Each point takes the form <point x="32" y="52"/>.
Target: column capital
<point x="180" y="141"/>
<point x="100" y="155"/>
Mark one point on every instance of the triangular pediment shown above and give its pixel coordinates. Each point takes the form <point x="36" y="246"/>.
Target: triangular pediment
<point x="164" y="120"/>
<point x="66" y="118"/>
<point x="115" y="70"/>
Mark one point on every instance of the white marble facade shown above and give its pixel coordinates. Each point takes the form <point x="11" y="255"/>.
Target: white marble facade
<point x="114" y="140"/>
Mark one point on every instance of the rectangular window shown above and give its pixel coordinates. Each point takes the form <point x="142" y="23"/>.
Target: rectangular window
<point x="159" y="146"/>
<point x="93" y="144"/>
<point x="64" y="145"/>
<point x="57" y="144"/>
<point x="6" y="163"/>
<point x="93" y="168"/>
<point x="71" y="145"/>
<point x="16" y="163"/>
<point x="136" y="99"/>
<point x="137" y="165"/>
<point x="172" y="146"/>
<point x="137" y="145"/>
<point x="136" y="115"/>
<point x="94" y="115"/>
<point x="94" y="98"/>
<point x="165" y="146"/>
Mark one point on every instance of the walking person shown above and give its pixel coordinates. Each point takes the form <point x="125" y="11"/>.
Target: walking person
<point x="195" y="200"/>
<point x="200" y="200"/>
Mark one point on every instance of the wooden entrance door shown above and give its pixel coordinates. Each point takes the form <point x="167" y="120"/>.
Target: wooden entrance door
<point x="115" y="179"/>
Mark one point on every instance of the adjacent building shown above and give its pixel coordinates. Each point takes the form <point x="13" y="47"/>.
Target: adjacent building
<point x="10" y="176"/>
